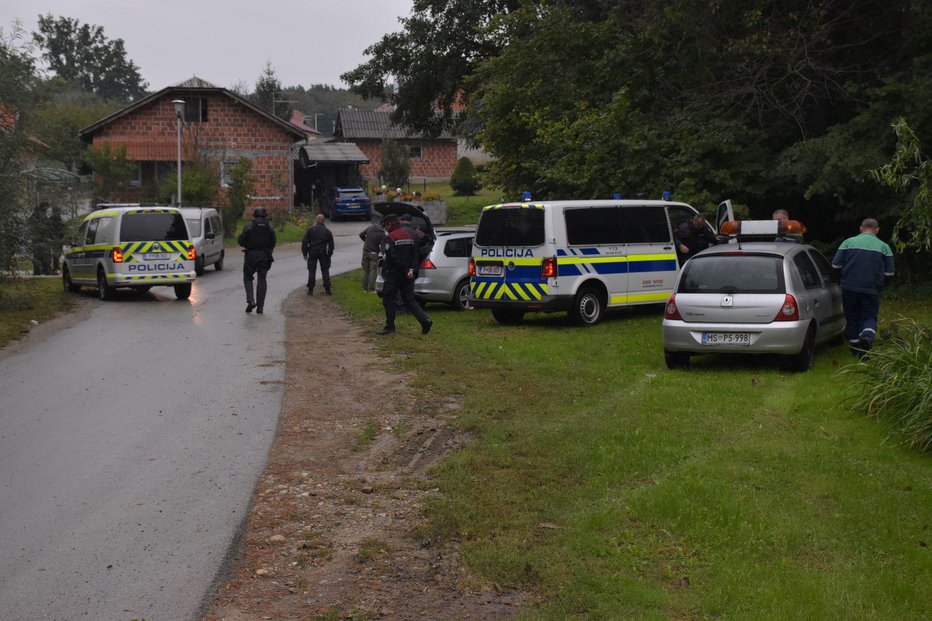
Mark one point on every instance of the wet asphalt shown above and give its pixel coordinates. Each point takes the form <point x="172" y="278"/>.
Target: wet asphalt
<point x="131" y="441"/>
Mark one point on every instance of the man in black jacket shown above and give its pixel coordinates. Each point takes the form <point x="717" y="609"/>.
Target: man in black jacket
<point x="398" y="270"/>
<point x="317" y="247"/>
<point x="258" y="241"/>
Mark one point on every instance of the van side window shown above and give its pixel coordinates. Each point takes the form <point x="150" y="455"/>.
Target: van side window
<point x="679" y="215"/>
<point x="91" y="234"/>
<point x="593" y="225"/>
<point x="218" y="226"/>
<point x="208" y="226"/>
<point x="82" y="234"/>
<point x="645" y="225"/>
<point x="104" y="231"/>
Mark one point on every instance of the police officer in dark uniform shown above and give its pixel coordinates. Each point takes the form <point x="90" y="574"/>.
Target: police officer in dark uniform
<point x="692" y="237"/>
<point x="398" y="271"/>
<point x="258" y="241"/>
<point x="317" y="247"/>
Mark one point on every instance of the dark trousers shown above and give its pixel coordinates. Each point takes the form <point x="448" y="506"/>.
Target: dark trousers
<point x="395" y="284"/>
<point x="312" y="261"/>
<point x="257" y="264"/>
<point x="860" y="315"/>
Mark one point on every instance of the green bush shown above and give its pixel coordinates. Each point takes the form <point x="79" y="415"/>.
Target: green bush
<point x="464" y="180"/>
<point x="894" y="384"/>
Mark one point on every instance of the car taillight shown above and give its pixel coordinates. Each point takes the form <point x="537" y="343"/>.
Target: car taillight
<point x="191" y="253"/>
<point x="548" y="267"/>
<point x="670" y="311"/>
<point x="472" y="266"/>
<point x="789" y="311"/>
<point x="117" y="254"/>
<point x="427" y="264"/>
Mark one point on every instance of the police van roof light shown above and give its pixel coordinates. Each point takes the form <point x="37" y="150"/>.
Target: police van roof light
<point x="526" y="196"/>
<point x="762" y="227"/>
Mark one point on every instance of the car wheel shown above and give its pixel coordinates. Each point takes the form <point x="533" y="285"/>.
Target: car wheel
<point x="460" y="299"/>
<point x="508" y="316"/>
<point x="588" y="307"/>
<point x="804" y="360"/>
<point x="68" y="285"/>
<point x="199" y="265"/>
<point x="219" y="264"/>
<point x="676" y="359"/>
<point x="183" y="292"/>
<point x="104" y="290"/>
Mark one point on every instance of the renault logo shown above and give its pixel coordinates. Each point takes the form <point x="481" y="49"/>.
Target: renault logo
<point x="727" y="300"/>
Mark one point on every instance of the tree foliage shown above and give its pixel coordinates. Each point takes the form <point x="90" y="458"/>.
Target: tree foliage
<point x="241" y="185"/>
<point x="909" y="171"/>
<point x="83" y="55"/>
<point x="266" y="94"/>
<point x="395" y="166"/>
<point x="17" y="91"/>
<point x="464" y="180"/>
<point x="112" y="169"/>
<point x="770" y="104"/>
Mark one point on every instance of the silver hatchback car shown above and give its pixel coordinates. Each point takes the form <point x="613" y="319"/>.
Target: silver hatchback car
<point x="774" y="297"/>
<point x="444" y="275"/>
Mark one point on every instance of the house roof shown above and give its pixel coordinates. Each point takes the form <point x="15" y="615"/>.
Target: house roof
<point x="297" y="119"/>
<point x="332" y="153"/>
<point x="194" y="86"/>
<point x="374" y="124"/>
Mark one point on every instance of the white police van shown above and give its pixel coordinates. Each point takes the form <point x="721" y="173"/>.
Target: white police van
<point x="575" y="256"/>
<point x="135" y="247"/>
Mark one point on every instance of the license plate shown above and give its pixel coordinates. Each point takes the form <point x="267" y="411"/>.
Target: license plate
<point x="490" y="270"/>
<point x="726" y="338"/>
<point x="155" y="256"/>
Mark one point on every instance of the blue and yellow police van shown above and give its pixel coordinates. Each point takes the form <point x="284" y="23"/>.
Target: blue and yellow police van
<point x="575" y="256"/>
<point x="132" y="247"/>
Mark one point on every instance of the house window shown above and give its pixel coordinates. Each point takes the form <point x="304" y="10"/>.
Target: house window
<point x="195" y="109"/>
<point x="226" y="168"/>
<point x="414" y="152"/>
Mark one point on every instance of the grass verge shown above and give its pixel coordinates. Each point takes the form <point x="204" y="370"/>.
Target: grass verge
<point x="617" y="489"/>
<point x="23" y="300"/>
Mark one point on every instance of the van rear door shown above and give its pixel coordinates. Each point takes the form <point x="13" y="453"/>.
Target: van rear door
<point x="508" y="252"/>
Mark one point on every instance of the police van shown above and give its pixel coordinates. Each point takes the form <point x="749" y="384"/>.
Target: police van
<point x="134" y="247"/>
<point x="575" y="256"/>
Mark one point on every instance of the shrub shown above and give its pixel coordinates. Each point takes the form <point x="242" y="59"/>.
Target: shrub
<point x="894" y="384"/>
<point x="464" y="180"/>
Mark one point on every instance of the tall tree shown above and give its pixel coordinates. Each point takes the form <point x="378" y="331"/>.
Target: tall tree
<point x="82" y="54"/>
<point x="268" y="90"/>
<point x="17" y="86"/>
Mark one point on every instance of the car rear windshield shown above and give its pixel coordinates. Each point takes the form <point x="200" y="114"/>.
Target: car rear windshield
<point x="733" y="273"/>
<point x="352" y="194"/>
<point x="511" y="227"/>
<point x="153" y="226"/>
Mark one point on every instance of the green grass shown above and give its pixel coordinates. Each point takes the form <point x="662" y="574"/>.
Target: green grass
<point x="734" y="490"/>
<point x="461" y="210"/>
<point x="290" y="232"/>
<point x="26" y="299"/>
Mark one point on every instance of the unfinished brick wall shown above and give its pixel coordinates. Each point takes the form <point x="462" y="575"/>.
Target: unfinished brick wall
<point x="231" y="131"/>
<point x="437" y="161"/>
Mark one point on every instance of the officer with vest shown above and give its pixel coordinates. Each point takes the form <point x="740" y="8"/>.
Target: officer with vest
<point x="317" y="247"/>
<point x="258" y="241"/>
<point x="398" y="271"/>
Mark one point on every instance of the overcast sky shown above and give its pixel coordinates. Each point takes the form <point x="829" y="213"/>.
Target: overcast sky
<point x="307" y="41"/>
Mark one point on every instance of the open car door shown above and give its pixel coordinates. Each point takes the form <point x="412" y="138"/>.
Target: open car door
<point x="724" y="213"/>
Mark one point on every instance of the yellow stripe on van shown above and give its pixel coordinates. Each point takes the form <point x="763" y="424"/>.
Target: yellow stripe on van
<point x="634" y="298"/>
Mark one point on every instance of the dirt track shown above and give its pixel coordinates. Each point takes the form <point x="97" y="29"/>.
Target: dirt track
<point x="332" y="532"/>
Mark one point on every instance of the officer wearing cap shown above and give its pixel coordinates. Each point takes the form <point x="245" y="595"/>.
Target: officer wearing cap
<point x="398" y="271"/>
<point x="258" y="241"/>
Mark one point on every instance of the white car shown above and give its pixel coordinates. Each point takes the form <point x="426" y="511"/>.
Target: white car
<point x="206" y="231"/>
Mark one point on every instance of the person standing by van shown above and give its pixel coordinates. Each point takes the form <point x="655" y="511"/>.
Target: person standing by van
<point x="692" y="237"/>
<point x="372" y="239"/>
<point x="317" y="247"/>
<point x="258" y="241"/>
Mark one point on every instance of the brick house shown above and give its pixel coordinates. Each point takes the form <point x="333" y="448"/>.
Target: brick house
<point x="219" y="127"/>
<point x="432" y="159"/>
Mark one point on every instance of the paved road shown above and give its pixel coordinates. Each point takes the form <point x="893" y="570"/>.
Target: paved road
<point x="130" y="444"/>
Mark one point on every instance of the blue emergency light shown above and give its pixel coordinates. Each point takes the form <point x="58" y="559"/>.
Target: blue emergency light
<point x="667" y="195"/>
<point x="526" y="196"/>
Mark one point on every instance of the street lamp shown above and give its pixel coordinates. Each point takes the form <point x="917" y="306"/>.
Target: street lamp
<point x="179" y="114"/>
